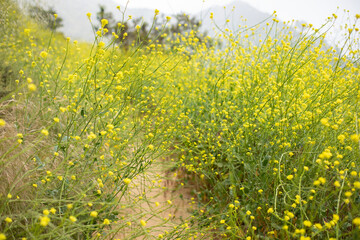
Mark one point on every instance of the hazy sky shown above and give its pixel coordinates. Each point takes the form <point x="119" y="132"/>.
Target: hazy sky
<point x="312" y="11"/>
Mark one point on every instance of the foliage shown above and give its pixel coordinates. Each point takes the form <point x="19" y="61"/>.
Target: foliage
<point x="45" y="17"/>
<point x="135" y="31"/>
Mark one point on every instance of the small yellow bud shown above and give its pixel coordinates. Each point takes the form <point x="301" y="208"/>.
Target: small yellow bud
<point x="73" y="219"/>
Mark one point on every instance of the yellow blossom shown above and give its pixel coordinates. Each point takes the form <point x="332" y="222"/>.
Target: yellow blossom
<point x="44" y="132"/>
<point x="127" y="181"/>
<point x="44" y="221"/>
<point x="43" y="54"/>
<point x="94" y="214"/>
<point x="2" y="122"/>
<point x="356" y="221"/>
<point x="32" y="87"/>
<point x="307" y="223"/>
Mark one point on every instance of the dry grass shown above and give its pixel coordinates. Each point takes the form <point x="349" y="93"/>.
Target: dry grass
<point x="17" y="159"/>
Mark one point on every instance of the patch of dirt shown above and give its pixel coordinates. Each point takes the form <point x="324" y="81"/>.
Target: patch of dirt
<point x="157" y="197"/>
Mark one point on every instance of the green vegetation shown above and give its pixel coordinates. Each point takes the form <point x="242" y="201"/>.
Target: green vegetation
<point x="264" y="130"/>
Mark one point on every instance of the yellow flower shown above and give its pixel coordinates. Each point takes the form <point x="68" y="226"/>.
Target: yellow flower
<point x="94" y="214"/>
<point x="2" y="122"/>
<point x="341" y="138"/>
<point x="32" y="87"/>
<point x="337" y="184"/>
<point x="322" y="180"/>
<point x="56" y="120"/>
<point x="44" y="221"/>
<point x="357" y="184"/>
<point x="307" y="223"/>
<point x="270" y="210"/>
<point x="318" y="226"/>
<point x="143" y="223"/>
<point x="104" y="22"/>
<point x="101" y="44"/>
<point x="106" y="221"/>
<point x="46" y="212"/>
<point x="44" y="132"/>
<point x="73" y="219"/>
<point x="356" y="221"/>
<point x="127" y="181"/>
<point x="91" y="136"/>
<point x="8" y="220"/>
<point x="354" y="138"/>
<point x="2" y="236"/>
<point x="157" y="12"/>
<point x="290" y="177"/>
<point x="43" y="54"/>
<point x="53" y="210"/>
<point x="325" y="122"/>
<point x="88" y="15"/>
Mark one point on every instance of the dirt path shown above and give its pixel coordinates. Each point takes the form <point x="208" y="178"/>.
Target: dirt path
<point x="158" y="198"/>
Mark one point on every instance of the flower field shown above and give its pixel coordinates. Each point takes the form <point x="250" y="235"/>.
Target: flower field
<point x="255" y="131"/>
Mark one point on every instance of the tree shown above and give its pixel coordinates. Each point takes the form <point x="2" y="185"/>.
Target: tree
<point x="46" y="17"/>
<point x="102" y="14"/>
<point x="136" y="31"/>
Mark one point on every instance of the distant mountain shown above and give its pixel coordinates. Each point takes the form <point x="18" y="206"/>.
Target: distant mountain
<point x="77" y="26"/>
<point x="238" y="12"/>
